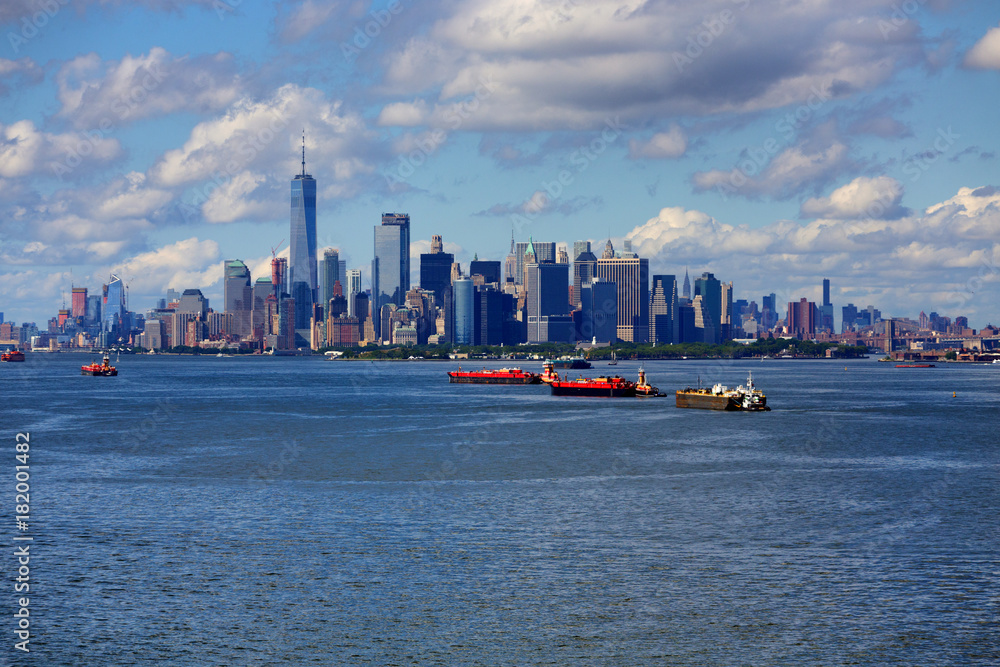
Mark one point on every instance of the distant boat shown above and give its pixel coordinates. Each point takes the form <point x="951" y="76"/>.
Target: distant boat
<point x="571" y="362"/>
<point x="500" y="376"/>
<point x="103" y="369"/>
<point x="914" y="365"/>
<point x="13" y="355"/>
<point x="614" y="359"/>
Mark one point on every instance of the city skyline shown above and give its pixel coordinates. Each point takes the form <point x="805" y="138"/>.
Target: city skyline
<point x="160" y="152"/>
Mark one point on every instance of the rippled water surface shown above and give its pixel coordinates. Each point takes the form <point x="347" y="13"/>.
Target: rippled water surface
<point x="258" y="511"/>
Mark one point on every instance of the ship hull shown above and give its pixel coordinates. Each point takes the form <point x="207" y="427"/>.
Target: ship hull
<point x="99" y="373"/>
<point x="713" y="402"/>
<point x="600" y="392"/>
<point x="464" y="379"/>
<point x="575" y="364"/>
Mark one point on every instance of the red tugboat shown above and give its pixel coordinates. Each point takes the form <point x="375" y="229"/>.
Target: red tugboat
<point x="549" y="374"/>
<point x="103" y="369"/>
<point x="13" y="355"/>
<point x="643" y="388"/>
<point x="614" y="387"/>
<point x="500" y="376"/>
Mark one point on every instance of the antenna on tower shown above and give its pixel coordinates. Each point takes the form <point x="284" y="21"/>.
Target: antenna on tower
<point x="303" y="151"/>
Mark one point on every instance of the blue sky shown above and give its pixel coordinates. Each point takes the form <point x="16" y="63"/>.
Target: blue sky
<point x="774" y="144"/>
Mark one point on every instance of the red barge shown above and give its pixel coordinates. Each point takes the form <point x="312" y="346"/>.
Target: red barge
<point x="490" y="376"/>
<point x="613" y="387"/>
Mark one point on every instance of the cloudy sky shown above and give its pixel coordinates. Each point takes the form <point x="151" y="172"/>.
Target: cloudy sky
<point x="773" y="143"/>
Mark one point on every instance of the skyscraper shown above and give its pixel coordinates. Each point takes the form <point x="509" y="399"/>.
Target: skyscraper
<point x="663" y="321"/>
<point x="545" y="251"/>
<point x="488" y="269"/>
<point x="687" y="285"/>
<point x="238" y="295"/>
<point x="329" y="274"/>
<point x="302" y="273"/>
<point x="391" y="265"/>
<point x="465" y="330"/>
<point x="710" y="290"/>
<point x="584" y="268"/>
<point x="79" y="302"/>
<point x="802" y="317"/>
<point x="114" y="304"/>
<point x="826" y="310"/>
<point x="435" y="270"/>
<point x="598" y="312"/>
<point x="353" y="287"/>
<point x="631" y="275"/>
<point x="548" y="302"/>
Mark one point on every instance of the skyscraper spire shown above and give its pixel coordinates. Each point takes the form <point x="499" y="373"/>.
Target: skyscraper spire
<point x="303" y="151"/>
<point x="687" y="285"/>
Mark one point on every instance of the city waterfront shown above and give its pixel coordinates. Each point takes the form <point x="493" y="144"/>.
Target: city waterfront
<point x="258" y="511"/>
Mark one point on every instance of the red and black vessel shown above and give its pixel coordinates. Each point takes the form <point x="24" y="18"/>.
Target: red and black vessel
<point x="613" y="387"/>
<point x="13" y="355"/>
<point x="103" y="369"/>
<point x="493" y="376"/>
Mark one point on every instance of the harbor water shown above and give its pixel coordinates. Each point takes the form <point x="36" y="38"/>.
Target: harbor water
<point x="261" y="511"/>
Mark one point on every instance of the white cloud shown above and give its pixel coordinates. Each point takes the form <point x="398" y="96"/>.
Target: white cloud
<point x="247" y="195"/>
<point x="191" y="263"/>
<point x="985" y="54"/>
<point x="26" y="150"/>
<point x="877" y="197"/>
<point x="668" y="144"/>
<point x="806" y="164"/>
<point x="572" y="64"/>
<point x="242" y="154"/>
<point x="945" y="259"/>
<point x="403" y="114"/>
<point x="98" y="94"/>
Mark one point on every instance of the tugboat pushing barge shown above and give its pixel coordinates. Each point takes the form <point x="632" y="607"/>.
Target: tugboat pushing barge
<point x="499" y="376"/>
<point x="741" y="399"/>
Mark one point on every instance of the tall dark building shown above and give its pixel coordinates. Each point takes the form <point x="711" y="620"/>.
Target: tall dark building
<point x="598" y="315"/>
<point x="391" y="265"/>
<point x="631" y="275"/>
<point x="548" y="303"/>
<point x="435" y="270"/>
<point x="302" y="273"/>
<point x="663" y="321"/>
<point x="826" y="310"/>
<point x="584" y="269"/>
<point x="802" y="316"/>
<point x="545" y="251"/>
<point x="238" y="295"/>
<point x="489" y="315"/>
<point x="488" y="269"/>
<point x="849" y="316"/>
<point x="710" y="290"/>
